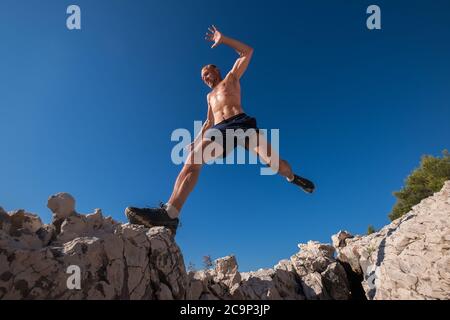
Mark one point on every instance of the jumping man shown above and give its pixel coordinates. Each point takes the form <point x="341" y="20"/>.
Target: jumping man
<point x="224" y="112"/>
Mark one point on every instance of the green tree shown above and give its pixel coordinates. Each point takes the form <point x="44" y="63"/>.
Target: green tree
<point x="425" y="180"/>
<point x="371" y="229"/>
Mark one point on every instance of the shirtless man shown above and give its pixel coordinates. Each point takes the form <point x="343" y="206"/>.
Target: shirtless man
<point x="224" y="112"/>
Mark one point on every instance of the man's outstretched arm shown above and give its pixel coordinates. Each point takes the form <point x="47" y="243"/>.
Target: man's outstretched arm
<point x="245" y="52"/>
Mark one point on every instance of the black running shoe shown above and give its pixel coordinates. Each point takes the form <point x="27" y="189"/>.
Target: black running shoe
<point x="303" y="183"/>
<point x="151" y="217"/>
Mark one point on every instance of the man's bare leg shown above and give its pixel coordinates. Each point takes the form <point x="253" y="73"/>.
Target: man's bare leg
<point x="188" y="177"/>
<point x="184" y="184"/>
<point x="270" y="157"/>
<point x="167" y="215"/>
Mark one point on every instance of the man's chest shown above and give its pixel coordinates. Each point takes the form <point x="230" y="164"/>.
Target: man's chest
<point x="224" y="89"/>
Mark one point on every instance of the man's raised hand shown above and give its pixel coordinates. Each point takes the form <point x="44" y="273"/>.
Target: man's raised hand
<point x="214" y="35"/>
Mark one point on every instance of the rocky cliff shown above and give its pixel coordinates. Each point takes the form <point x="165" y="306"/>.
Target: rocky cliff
<point x="407" y="259"/>
<point x="115" y="261"/>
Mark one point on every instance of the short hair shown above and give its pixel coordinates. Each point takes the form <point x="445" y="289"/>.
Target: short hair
<point x="210" y="66"/>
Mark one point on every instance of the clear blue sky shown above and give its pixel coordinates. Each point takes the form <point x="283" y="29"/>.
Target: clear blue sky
<point x="90" y="112"/>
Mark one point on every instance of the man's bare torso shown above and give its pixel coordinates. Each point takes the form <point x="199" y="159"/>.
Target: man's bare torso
<point x="225" y="99"/>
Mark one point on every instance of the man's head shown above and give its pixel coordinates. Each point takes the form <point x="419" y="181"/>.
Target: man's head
<point x="211" y="75"/>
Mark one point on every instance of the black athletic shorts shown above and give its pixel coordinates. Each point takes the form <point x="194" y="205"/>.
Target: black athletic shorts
<point x="241" y="121"/>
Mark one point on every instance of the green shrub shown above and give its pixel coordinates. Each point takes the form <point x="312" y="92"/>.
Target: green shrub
<point x="425" y="180"/>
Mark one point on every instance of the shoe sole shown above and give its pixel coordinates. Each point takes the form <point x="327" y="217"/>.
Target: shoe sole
<point x="308" y="190"/>
<point x="133" y="218"/>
